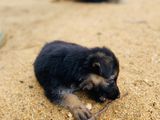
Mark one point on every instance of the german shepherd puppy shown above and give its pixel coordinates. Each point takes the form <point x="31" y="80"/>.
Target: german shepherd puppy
<point x="61" y="68"/>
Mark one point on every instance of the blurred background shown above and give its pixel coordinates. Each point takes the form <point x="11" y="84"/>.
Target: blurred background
<point x="131" y="28"/>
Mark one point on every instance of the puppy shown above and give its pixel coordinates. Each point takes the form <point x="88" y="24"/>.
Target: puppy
<point x="61" y="68"/>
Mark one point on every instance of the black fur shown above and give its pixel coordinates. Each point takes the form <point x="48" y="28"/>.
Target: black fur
<point x="61" y="64"/>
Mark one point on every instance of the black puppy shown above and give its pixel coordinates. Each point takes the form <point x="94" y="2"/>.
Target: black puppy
<point x="63" y="67"/>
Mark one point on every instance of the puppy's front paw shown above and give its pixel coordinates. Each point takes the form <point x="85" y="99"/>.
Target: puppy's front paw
<point x="81" y="113"/>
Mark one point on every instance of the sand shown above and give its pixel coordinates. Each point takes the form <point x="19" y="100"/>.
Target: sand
<point x="131" y="29"/>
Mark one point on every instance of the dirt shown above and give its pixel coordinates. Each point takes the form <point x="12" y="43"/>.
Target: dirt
<point x="131" y="29"/>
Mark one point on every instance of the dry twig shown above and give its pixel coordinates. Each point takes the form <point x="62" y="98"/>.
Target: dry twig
<point x="105" y="108"/>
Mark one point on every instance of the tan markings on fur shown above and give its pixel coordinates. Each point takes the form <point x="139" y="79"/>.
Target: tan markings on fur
<point x="100" y="54"/>
<point x="76" y="107"/>
<point x="96" y="79"/>
<point x="71" y="101"/>
<point x="106" y="58"/>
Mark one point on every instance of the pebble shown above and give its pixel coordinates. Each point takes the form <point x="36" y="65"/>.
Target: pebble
<point x="89" y="106"/>
<point x="30" y="86"/>
<point x="69" y="115"/>
<point x="1" y="39"/>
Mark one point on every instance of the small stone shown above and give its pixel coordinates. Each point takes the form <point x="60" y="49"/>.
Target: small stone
<point x="30" y="86"/>
<point x="21" y="81"/>
<point x="99" y="33"/>
<point x="2" y="40"/>
<point x="69" y="115"/>
<point x="89" y="106"/>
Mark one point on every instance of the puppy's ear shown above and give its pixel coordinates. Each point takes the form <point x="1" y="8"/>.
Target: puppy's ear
<point x="94" y="63"/>
<point x="96" y="67"/>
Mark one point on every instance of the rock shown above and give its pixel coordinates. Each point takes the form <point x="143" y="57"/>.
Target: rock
<point x="30" y="86"/>
<point x="1" y="39"/>
<point x="89" y="106"/>
<point x="69" y="115"/>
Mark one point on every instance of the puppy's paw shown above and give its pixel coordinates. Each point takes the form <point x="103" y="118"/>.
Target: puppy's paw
<point x="81" y="113"/>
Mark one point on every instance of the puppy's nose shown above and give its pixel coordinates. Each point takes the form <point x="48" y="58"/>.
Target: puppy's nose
<point x="118" y="93"/>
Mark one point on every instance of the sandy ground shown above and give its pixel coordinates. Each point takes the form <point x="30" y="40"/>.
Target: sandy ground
<point x="131" y="29"/>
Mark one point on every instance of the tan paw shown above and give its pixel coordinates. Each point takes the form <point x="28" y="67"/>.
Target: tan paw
<point x="81" y="113"/>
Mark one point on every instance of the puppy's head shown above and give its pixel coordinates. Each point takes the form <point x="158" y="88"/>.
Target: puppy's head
<point x="104" y="64"/>
<point x="105" y="89"/>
